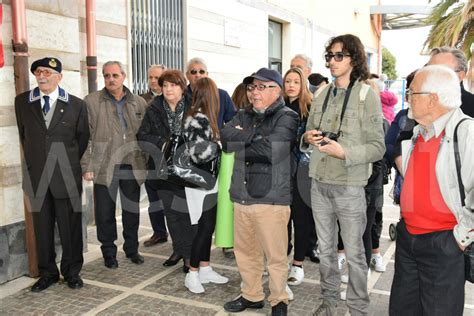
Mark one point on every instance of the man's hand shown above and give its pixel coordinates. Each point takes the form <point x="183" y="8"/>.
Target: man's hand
<point x="312" y="137"/>
<point x="332" y="148"/>
<point x="88" y="176"/>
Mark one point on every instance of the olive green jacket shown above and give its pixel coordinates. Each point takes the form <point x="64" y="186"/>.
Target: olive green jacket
<point x="109" y="145"/>
<point x="362" y="135"/>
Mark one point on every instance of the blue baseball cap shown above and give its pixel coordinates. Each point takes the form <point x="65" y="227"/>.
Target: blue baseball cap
<point x="265" y="74"/>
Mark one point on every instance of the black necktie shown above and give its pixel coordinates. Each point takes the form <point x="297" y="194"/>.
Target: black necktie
<point x="46" y="104"/>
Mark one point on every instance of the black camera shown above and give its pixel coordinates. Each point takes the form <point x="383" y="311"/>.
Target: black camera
<point x="330" y="135"/>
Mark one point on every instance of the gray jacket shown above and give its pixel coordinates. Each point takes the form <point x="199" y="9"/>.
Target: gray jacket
<point x="362" y="135"/>
<point x="108" y="144"/>
<point x="447" y="176"/>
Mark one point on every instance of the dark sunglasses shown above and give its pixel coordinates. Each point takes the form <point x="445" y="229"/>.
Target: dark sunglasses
<point x="339" y="56"/>
<point x="194" y="71"/>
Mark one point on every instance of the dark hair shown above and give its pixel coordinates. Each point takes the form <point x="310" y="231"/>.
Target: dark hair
<point x="352" y="45"/>
<point x="409" y="79"/>
<point x="206" y="101"/>
<point x="239" y="97"/>
<point x="316" y="79"/>
<point x="173" y="76"/>
<point x="304" y="97"/>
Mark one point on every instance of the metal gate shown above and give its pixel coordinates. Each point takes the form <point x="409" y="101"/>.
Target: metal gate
<point x="157" y="37"/>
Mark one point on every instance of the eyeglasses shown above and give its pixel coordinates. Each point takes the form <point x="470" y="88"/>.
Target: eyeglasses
<point x="410" y="93"/>
<point x="194" y="71"/>
<point x="45" y="72"/>
<point x="259" y="87"/>
<point x="339" y="56"/>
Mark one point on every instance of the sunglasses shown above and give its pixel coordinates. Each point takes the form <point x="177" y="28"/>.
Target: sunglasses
<point x="194" y="71"/>
<point x="45" y="72"/>
<point x="339" y="56"/>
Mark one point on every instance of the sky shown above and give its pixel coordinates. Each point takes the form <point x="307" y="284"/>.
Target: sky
<point x="407" y="45"/>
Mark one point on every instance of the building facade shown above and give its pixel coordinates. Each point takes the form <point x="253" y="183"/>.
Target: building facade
<point x="234" y="37"/>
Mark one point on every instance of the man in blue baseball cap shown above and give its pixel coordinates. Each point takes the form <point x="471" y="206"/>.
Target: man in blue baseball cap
<point x="262" y="137"/>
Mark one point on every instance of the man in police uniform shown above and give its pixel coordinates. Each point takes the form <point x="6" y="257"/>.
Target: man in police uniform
<point x="54" y="132"/>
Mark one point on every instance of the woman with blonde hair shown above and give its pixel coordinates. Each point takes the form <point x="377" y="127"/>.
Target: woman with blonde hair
<point x="298" y="98"/>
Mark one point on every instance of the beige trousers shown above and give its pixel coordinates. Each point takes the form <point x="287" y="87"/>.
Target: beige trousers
<point x="261" y="230"/>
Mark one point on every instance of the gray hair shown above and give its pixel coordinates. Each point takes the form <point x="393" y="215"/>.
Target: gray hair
<point x="196" y="60"/>
<point x="442" y="80"/>
<point x="307" y="60"/>
<point x="457" y="54"/>
<point x="114" y="62"/>
<point x="160" y="66"/>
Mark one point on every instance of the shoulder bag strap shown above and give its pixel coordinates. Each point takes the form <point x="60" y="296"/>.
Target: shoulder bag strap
<point x="457" y="160"/>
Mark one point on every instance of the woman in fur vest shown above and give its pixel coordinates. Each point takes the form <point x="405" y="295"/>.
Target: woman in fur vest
<point x="202" y="133"/>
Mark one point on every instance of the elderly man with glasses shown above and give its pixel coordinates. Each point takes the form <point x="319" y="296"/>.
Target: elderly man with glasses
<point x="54" y="132"/>
<point x="262" y="136"/>
<point x="436" y="200"/>
<point x="197" y="69"/>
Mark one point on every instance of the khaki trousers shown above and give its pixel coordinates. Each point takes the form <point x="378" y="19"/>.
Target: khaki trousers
<point x="261" y="230"/>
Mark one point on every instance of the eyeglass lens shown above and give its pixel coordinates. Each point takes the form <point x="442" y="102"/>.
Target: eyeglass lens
<point x="194" y="71"/>
<point x="339" y="56"/>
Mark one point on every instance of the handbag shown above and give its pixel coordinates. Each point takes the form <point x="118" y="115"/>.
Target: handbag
<point x="469" y="250"/>
<point x="179" y="168"/>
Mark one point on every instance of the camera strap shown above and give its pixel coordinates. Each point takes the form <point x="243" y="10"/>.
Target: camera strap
<point x="344" y="105"/>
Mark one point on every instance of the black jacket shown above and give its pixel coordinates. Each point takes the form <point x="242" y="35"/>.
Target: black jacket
<point x="467" y="99"/>
<point x="52" y="155"/>
<point x="263" y="161"/>
<point x="155" y="130"/>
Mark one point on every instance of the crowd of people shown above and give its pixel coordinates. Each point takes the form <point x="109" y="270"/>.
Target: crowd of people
<point x="311" y="157"/>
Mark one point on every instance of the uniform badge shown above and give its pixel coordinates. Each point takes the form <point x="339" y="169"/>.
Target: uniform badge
<point x="52" y="63"/>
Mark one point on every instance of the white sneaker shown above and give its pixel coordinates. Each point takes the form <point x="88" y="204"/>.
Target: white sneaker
<point x="344" y="278"/>
<point x="343" y="295"/>
<point x="296" y="276"/>
<point x="291" y="296"/>
<point x="207" y="275"/>
<point x="341" y="260"/>
<point x="192" y="282"/>
<point x="377" y="262"/>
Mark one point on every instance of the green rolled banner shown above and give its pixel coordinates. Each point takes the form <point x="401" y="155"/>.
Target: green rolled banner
<point x="225" y="207"/>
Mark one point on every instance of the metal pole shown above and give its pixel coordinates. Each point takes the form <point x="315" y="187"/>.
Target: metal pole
<point x="22" y="84"/>
<point x="91" y="58"/>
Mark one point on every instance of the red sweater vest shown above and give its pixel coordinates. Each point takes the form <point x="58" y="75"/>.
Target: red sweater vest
<point x="422" y="205"/>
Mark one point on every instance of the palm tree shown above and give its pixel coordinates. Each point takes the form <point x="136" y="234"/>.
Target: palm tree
<point x="452" y="25"/>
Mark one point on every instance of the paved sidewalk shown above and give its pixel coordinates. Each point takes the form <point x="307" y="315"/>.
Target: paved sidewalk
<point x="151" y="288"/>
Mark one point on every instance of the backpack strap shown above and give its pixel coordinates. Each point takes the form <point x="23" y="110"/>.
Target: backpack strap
<point x="457" y="160"/>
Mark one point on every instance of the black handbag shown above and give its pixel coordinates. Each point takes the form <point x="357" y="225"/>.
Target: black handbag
<point x="179" y="168"/>
<point x="469" y="250"/>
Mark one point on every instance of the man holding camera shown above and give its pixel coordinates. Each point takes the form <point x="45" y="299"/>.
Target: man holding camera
<point x="345" y="129"/>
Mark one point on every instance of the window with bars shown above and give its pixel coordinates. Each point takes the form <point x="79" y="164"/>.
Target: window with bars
<point x="157" y="37"/>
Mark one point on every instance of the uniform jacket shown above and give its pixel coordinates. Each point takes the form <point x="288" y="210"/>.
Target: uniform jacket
<point x="362" y="136"/>
<point x="108" y="145"/>
<point x="447" y="176"/>
<point x="52" y="155"/>
<point x="264" y="165"/>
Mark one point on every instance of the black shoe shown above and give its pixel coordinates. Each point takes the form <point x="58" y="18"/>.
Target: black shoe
<point x="186" y="265"/>
<point x="314" y="256"/>
<point x="280" y="309"/>
<point x="172" y="260"/>
<point x="111" y="262"/>
<point x="155" y="239"/>
<point x="228" y="253"/>
<point x="136" y="258"/>
<point x="43" y="283"/>
<point x="75" y="282"/>
<point x="242" y="304"/>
